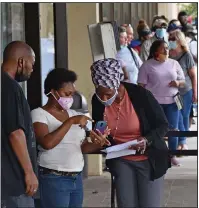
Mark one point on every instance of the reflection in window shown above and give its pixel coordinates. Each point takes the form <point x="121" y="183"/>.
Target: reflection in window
<point x="47" y="42"/>
<point x="12" y="27"/>
<point x="12" y="23"/>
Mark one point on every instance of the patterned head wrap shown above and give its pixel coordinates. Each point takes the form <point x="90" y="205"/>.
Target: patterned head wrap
<point x="107" y="73"/>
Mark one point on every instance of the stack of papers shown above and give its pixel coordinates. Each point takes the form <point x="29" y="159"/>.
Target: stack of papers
<point x="120" y="150"/>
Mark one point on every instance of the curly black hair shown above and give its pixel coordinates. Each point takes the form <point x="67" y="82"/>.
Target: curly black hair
<point x="156" y="44"/>
<point x="57" y="77"/>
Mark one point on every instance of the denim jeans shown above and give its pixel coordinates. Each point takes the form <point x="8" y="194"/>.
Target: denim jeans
<point x="22" y="201"/>
<point x="61" y="191"/>
<point x="183" y="124"/>
<point x="172" y="114"/>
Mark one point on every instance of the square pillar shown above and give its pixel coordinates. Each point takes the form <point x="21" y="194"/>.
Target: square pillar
<point x="79" y="15"/>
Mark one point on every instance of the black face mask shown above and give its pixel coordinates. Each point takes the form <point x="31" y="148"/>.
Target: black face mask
<point x="20" y="76"/>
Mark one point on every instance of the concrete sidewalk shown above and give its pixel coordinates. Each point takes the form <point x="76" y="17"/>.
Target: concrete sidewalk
<point x="180" y="188"/>
<point x="177" y="192"/>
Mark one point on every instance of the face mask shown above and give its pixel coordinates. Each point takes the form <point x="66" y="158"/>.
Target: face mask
<point x="172" y="45"/>
<point x="20" y="76"/>
<point x="162" y="57"/>
<point x="122" y="46"/>
<point x="65" y="102"/>
<point x="109" y="101"/>
<point x="160" y="33"/>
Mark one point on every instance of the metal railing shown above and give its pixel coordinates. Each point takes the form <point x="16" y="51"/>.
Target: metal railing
<point x="173" y="152"/>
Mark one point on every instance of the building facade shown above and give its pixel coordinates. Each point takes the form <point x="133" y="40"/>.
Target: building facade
<point x="58" y="34"/>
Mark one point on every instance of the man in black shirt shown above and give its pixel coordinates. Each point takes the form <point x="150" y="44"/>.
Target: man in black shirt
<point x="18" y="147"/>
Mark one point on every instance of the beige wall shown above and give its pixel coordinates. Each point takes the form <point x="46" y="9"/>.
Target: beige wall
<point x="170" y="10"/>
<point x="79" y="15"/>
<point x="80" y="59"/>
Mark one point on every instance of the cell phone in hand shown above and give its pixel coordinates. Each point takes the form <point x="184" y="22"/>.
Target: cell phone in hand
<point x="101" y="126"/>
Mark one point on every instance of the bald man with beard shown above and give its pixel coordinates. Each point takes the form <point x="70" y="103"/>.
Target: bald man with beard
<point x="18" y="147"/>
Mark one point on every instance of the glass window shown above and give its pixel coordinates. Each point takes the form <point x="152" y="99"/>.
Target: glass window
<point x="12" y="27"/>
<point x="12" y="23"/>
<point x="47" y="42"/>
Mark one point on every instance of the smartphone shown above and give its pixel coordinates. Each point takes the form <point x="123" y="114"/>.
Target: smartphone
<point x="101" y="126"/>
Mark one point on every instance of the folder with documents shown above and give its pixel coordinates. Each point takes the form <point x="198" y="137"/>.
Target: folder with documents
<point x="120" y="150"/>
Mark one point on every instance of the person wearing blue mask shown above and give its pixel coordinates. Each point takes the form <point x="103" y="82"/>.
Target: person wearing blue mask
<point x="159" y="27"/>
<point x="131" y="113"/>
<point x="179" y="51"/>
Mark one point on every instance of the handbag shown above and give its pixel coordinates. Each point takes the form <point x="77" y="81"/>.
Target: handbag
<point x="179" y="101"/>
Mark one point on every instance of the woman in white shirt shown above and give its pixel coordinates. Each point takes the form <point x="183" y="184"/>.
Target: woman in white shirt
<point x="61" y="137"/>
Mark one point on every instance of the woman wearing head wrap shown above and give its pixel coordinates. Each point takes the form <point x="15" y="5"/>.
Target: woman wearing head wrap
<point x="131" y="113"/>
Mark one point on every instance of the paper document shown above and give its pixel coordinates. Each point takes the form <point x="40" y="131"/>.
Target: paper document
<point x="120" y="150"/>
<point x="120" y="153"/>
<point x="119" y="147"/>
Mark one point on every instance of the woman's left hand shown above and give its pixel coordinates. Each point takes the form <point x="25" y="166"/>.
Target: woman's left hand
<point x="141" y="147"/>
<point x="99" y="138"/>
<point x="174" y="83"/>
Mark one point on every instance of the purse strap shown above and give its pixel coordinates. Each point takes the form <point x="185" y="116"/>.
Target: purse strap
<point x="181" y="56"/>
<point x="134" y="58"/>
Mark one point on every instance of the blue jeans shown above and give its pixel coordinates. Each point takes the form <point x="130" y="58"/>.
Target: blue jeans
<point x="183" y="124"/>
<point x="22" y="201"/>
<point x="61" y="191"/>
<point x="172" y="114"/>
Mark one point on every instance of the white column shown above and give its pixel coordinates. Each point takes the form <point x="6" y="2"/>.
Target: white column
<point x="170" y="10"/>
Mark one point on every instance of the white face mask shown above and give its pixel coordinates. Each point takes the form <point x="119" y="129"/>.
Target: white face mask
<point x="109" y="101"/>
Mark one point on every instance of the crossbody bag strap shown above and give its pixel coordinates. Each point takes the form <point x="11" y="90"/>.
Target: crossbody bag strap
<point x="181" y="56"/>
<point x="134" y="58"/>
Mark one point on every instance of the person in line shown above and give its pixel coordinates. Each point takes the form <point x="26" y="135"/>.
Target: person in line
<point x="174" y="24"/>
<point x="144" y="33"/>
<point x="129" y="32"/>
<point x="129" y="59"/>
<point x="18" y="146"/>
<point x="190" y="35"/>
<point x="179" y="51"/>
<point x="159" y="26"/>
<point x="183" y="18"/>
<point x="131" y="113"/>
<point x="62" y="140"/>
<point x="163" y="77"/>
